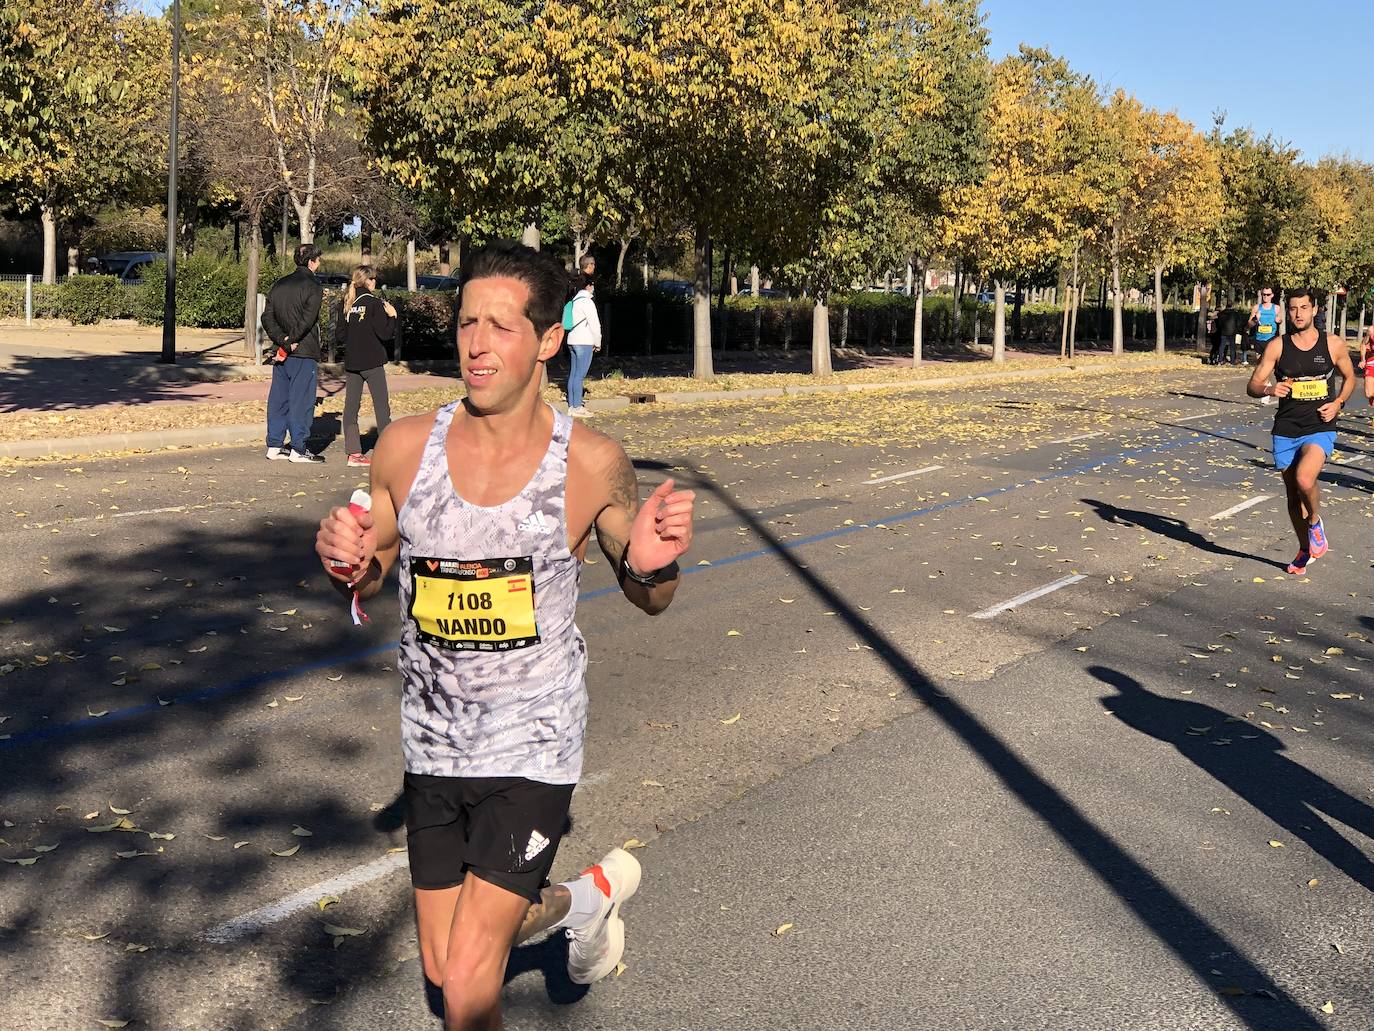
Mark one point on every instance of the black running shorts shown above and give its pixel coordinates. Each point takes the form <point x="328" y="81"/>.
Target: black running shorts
<point x="505" y="830"/>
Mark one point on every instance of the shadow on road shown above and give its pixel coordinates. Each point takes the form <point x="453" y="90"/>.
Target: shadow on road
<point x="230" y="623"/>
<point x="1292" y="796"/>
<point x="1159" y="909"/>
<point x="1172" y="528"/>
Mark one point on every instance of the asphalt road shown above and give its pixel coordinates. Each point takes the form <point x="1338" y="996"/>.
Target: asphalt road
<point x="1103" y="807"/>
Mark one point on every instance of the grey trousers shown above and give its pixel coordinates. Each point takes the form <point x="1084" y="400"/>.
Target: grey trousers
<point x="353" y="397"/>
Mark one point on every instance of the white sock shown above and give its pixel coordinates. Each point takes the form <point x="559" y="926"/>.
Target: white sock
<point x="586" y="903"/>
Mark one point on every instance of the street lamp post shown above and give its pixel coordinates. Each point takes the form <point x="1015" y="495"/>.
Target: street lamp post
<point x="169" y="306"/>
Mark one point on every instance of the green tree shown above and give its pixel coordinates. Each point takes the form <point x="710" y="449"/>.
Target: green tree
<point x="81" y="88"/>
<point x="904" y="125"/>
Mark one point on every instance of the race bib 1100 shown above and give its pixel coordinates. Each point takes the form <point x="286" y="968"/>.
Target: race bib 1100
<point x="1309" y="390"/>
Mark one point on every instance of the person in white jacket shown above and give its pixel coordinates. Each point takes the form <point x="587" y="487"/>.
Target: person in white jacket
<point x="584" y="338"/>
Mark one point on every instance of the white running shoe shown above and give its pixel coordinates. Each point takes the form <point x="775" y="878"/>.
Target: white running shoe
<point x="595" y="950"/>
<point x="306" y="457"/>
<point x="580" y="412"/>
<point x="278" y="454"/>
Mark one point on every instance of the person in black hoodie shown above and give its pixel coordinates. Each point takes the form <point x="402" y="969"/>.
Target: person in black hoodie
<point x="365" y="325"/>
<point x="291" y="319"/>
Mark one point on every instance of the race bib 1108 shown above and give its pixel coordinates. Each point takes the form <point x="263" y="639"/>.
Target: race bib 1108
<point x="474" y="605"/>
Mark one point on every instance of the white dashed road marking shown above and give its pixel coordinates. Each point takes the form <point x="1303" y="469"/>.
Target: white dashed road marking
<point x="1021" y="599"/>
<point x="1081" y="436"/>
<point x="902" y="476"/>
<point x="1234" y="509"/>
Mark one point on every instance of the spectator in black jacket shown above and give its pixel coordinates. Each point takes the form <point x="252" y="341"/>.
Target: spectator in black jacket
<point x="292" y="321"/>
<point x="366" y="324"/>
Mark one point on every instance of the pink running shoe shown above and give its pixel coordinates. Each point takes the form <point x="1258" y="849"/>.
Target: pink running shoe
<point x="1299" y="565"/>
<point x="1316" y="539"/>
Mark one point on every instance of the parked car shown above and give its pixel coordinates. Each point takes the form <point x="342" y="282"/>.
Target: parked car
<point x="333" y="278"/>
<point x="988" y="297"/>
<point x="765" y="292"/>
<point x="446" y="283"/>
<point x="128" y="266"/>
<point x="681" y="289"/>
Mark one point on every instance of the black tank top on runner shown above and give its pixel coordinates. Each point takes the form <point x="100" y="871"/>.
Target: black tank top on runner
<point x="1313" y="375"/>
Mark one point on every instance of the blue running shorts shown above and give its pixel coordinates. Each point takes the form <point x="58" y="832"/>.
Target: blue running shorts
<point x="1286" y="449"/>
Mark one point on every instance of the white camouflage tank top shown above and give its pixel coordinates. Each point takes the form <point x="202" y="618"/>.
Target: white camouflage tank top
<point x="493" y="667"/>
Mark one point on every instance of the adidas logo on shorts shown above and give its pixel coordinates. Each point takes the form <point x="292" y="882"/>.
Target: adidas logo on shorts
<point x="536" y="845"/>
<point x="536" y="523"/>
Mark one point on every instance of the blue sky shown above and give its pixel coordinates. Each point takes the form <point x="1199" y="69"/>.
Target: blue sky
<point x="1303" y="71"/>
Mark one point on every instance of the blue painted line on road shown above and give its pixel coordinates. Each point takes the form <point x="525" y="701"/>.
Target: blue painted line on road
<point x="248" y="683"/>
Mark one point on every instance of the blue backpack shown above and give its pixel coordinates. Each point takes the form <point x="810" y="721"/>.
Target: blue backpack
<point x="569" y="323"/>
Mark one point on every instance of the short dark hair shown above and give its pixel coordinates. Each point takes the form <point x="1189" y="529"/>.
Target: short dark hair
<point x="1303" y="291"/>
<point x="305" y="254"/>
<point x="542" y="273"/>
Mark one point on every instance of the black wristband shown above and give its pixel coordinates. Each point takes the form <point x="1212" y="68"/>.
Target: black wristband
<point x="648" y="579"/>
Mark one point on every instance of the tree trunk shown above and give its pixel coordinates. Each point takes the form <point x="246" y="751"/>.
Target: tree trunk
<point x="1159" y="308"/>
<point x="753" y="280"/>
<point x="285" y="255"/>
<point x="250" y="290"/>
<point x="73" y="261"/>
<point x="530" y="235"/>
<point x="445" y="266"/>
<point x="410" y="264"/>
<point x="1203" y="297"/>
<point x="365" y="241"/>
<point x="910" y="272"/>
<point x="645" y="267"/>
<point x="49" y="218"/>
<point x="1102" y="307"/>
<point x="1064" y="329"/>
<point x="999" y="321"/>
<point x="1016" y="313"/>
<point x="977" y="315"/>
<point x="579" y="249"/>
<point x="620" y="261"/>
<point x="1118" y="337"/>
<point x="238" y="228"/>
<point x="305" y="218"/>
<point x="820" y="338"/>
<point x="918" y="319"/>
<point x="956" y="310"/>
<point x="701" y="308"/>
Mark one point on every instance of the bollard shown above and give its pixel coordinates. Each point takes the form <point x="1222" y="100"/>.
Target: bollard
<point x="28" y="299"/>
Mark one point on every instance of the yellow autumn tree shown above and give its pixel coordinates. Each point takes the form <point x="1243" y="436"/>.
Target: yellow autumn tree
<point x="1017" y="217"/>
<point x="1168" y="202"/>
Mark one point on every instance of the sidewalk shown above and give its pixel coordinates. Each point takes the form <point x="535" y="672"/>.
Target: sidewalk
<point x="79" y="391"/>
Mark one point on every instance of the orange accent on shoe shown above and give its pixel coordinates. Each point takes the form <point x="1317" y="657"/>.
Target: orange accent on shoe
<point x="599" y="879"/>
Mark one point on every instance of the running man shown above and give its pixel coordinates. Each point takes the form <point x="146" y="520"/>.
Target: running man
<point x="486" y="507"/>
<point x="1304" y="360"/>
<point x="1265" y="322"/>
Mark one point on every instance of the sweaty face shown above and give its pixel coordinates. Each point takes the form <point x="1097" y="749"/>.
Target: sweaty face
<point x="1300" y="312"/>
<point x="498" y="349"/>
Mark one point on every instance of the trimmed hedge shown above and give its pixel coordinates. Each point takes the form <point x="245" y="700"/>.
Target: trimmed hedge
<point x="209" y="293"/>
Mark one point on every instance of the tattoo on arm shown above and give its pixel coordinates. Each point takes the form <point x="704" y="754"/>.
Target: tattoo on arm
<point x="625" y="488"/>
<point x="624" y="499"/>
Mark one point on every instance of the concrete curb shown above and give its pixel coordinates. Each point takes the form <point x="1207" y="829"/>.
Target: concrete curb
<point x="156" y="440"/>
